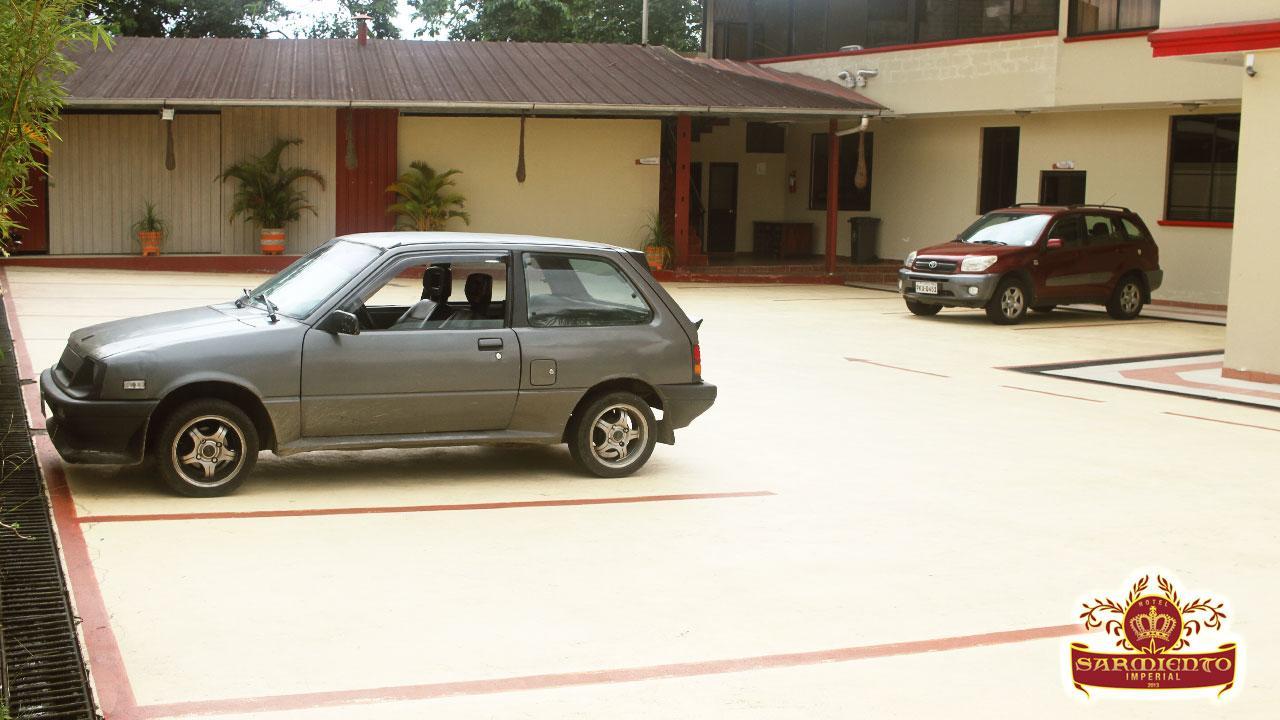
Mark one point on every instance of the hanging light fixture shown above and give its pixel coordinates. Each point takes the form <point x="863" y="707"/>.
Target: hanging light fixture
<point x="166" y="115"/>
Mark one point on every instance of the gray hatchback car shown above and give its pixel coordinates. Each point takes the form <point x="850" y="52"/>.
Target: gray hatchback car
<point x="391" y="340"/>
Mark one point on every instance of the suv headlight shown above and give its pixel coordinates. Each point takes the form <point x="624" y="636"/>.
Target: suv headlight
<point x="978" y="263"/>
<point x="911" y="257"/>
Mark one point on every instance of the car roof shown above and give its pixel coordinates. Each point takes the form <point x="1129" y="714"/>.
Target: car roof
<point x="478" y="241"/>
<point x="1033" y="208"/>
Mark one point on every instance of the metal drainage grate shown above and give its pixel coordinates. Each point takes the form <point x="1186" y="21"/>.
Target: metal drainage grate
<point x="41" y="668"/>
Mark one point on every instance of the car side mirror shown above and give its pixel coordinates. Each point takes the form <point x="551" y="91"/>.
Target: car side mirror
<point x="341" y="322"/>
<point x="1054" y="243"/>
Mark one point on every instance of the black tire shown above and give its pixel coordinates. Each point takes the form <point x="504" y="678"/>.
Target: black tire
<point x="1008" y="306"/>
<point x="1126" y="299"/>
<point x="598" y="453"/>
<point x="923" y="309"/>
<point x="220" y="460"/>
<point x="1045" y="308"/>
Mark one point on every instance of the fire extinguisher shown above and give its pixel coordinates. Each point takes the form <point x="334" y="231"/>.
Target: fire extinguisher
<point x="791" y="182"/>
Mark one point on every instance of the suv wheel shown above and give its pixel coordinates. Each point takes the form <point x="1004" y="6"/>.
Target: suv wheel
<point x="1009" y="304"/>
<point x="1126" y="299"/>
<point x="613" y="436"/>
<point x="923" y="309"/>
<point x="206" y="448"/>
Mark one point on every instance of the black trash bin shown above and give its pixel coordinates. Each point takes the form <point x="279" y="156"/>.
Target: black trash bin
<point x="864" y="234"/>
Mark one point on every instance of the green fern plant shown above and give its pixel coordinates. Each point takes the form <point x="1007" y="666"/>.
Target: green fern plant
<point x="267" y="193"/>
<point x="427" y="201"/>
<point x="150" y="220"/>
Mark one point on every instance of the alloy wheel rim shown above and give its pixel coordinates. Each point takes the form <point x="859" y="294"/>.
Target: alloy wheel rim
<point x="1130" y="297"/>
<point x="1012" y="301"/>
<point x="618" y="435"/>
<point x="208" y="451"/>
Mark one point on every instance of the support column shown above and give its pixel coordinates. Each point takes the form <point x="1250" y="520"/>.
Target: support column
<point x="833" y="192"/>
<point x="684" y="131"/>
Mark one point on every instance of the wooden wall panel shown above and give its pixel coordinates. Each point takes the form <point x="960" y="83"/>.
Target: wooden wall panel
<point x="250" y="131"/>
<point x="107" y="165"/>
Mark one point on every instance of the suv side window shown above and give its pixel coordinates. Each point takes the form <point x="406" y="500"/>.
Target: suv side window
<point x="1131" y="231"/>
<point x="1070" y="230"/>
<point x="1101" y="231"/>
<point x="578" y="291"/>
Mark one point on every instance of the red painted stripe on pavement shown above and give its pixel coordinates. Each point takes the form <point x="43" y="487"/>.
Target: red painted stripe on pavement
<point x="491" y="686"/>
<point x="1222" y="422"/>
<point x="895" y="367"/>
<point x="1054" y="394"/>
<point x="247" y="514"/>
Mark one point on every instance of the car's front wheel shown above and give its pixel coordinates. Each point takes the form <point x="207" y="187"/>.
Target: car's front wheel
<point x="613" y="436"/>
<point x="206" y="448"/>
<point x="1009" y="305"/>
<point x="1126" y="299"/>
<point x="923" y="309"/>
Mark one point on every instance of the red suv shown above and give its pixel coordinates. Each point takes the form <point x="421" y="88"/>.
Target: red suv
<point x="1038" y="257"/>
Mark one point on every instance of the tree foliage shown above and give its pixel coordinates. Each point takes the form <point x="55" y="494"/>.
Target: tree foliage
<point x="186" y="18"/>
<point x="427" y="201"/>
<point x="673" y="23"/>
<point x="342" y="25"/>
<point x="34" y="35"/>
<point x="266" y="193"/>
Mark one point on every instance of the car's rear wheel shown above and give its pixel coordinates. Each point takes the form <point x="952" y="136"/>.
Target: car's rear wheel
<point x="1126" y="300"/>
<point x="1009" y="304"/>
<point x="613" y="436"/>
<point x="206" y="448"/>
<point x="923" y="309"/>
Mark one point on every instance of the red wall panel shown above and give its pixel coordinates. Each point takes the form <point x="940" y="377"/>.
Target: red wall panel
<point x="362" y="198"/>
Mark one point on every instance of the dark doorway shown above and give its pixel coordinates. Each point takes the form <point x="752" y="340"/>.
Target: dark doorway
<point x="722" y="208"/>
<point x="697" y="207"/>
<point x="1062" y="187"/>
<point x="33" y="237"/>
<point x="998" y="187"/>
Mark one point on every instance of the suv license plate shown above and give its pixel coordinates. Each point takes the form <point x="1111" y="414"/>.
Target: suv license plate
<point x="927" y="288"/>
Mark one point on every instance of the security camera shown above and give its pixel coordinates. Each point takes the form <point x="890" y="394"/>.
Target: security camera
<point x="843" y="76"/>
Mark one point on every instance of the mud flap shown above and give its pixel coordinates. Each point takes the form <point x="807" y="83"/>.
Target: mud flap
<point x="665" y="434"/>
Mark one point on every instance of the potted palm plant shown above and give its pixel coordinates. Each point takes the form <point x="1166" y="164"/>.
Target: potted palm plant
<point x="149" y="230"/>
<point x="268" y="196"/>
<point x="657" y="243"/>
<point x="427" y="201"/>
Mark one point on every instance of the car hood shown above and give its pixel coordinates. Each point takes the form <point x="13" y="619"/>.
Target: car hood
<point x="151" y="331"/>
<point x="960" y="250"/>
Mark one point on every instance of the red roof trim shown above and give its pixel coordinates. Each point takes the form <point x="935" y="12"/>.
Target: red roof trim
<point x="914" y="46"/>
<point x="1206" y="39"/>
<point x="1107" y="36"/>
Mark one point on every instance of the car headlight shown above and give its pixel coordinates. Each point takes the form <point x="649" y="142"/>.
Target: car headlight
<point x="978" y="263"/>
<point x="911" y="257"/>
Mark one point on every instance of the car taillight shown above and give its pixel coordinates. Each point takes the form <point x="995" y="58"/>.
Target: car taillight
<point x="697" y="362"/>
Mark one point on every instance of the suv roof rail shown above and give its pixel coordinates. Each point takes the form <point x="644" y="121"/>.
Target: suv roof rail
<point x="1100" y="205"/>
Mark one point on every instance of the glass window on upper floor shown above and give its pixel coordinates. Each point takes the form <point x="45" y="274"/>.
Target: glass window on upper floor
<point x="749" y="29"/>
<point x="1093" y="17"/>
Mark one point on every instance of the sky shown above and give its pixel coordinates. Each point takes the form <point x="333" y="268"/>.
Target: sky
<point x="308" y="10"/>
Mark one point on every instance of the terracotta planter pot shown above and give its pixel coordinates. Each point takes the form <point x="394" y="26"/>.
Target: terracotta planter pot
<point x="150" y="242"/>
<point x="658" y="256"/>
<point x="272" y="241"/>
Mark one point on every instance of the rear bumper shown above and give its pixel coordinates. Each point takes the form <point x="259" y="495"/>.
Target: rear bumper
<point x="105" y="432"/>
<point x="681" y="404"/>
<point x="964" y="290"/>
<point x="1155" y="278"/>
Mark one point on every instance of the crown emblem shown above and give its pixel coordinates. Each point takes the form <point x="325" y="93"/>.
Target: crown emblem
<point x="1152" y="626"/>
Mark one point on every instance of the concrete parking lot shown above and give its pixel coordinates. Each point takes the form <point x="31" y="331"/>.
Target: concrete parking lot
<point x="874" y="520"/>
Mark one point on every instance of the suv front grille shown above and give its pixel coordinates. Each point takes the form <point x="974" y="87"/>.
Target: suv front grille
<point x="935" y="266"/>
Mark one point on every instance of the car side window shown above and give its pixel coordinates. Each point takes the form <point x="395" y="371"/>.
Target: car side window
<point x="1100" y="230"/>
<point x="1069" y="230"/>
<point x="579" y="291"/>
<point x="439" y="293"/>
<point x="1131" y="231"/>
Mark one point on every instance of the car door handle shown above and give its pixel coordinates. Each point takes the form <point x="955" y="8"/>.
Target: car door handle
<point x="489" y="344"/>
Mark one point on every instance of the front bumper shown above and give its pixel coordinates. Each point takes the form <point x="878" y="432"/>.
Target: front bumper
<point x="961" y="290"/>
<point x="681" y="404"/>
<point x="99" y="432"/>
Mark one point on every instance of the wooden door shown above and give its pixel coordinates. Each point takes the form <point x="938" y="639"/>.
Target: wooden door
<point x="33" y="238"/>
<point x="722" y="208"/>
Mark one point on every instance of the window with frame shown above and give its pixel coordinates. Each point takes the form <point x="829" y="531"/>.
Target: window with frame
<point x="850" y="197"/>
<point x="1203" y="152"/>
<point x="766" y="137"/>
<point x="435" y="293"/>
<point x="1095" y="17"/>
<point x="580" y="291"/>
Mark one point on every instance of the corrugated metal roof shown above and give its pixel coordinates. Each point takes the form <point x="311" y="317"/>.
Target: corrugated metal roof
<point x="461" y="76"/>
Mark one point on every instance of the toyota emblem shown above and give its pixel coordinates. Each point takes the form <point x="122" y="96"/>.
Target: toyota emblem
<point x="933" y="264"/>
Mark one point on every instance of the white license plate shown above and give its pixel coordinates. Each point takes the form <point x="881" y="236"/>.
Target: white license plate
<point x="927" y="288"/>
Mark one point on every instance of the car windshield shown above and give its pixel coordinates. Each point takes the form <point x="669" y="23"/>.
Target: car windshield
<point x="1020" y="229"/>
<point x="300" y="288"/>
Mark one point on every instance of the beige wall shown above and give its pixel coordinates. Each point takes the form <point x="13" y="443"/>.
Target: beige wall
<point x="105" y="167"/>
<point x="582" y="180"/>
<point x="250" y="131"/>
<point x="1253" y="343"/>
<point x="762" y="177"/>
<point x="1184" y="13"/>
<point x="1122" y="71"/>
